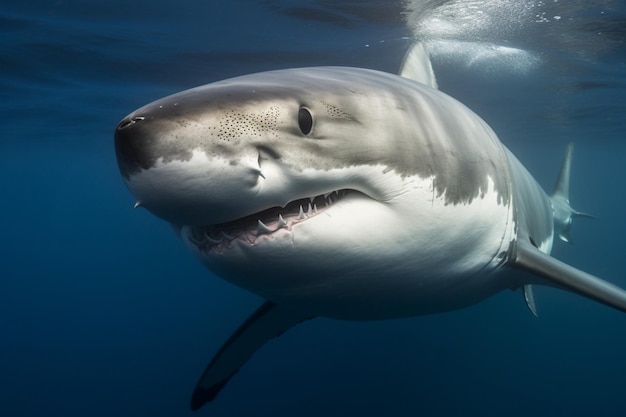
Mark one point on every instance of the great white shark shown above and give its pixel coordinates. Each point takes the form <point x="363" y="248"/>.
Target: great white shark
<point x="346" y="193"/>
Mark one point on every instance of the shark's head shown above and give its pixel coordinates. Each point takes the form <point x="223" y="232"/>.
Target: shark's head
<point x="236" y="148"/>
<point x="295" y="182"/>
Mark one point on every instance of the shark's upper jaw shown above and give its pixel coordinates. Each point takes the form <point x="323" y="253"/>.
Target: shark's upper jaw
<point x="267" y="223"/>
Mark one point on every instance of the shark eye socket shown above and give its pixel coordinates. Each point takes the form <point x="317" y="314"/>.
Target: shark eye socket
<point x="305" y="120"/>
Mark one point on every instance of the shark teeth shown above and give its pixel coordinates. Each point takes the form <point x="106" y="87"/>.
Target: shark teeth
<point x="301" y="215"/>
<point x="263" y="229"/>
<point x="281" y="221"/>
<point x="264" y="223"/>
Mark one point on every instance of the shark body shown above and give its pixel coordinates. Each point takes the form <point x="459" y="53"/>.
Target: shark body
<point x="346" y="193"/>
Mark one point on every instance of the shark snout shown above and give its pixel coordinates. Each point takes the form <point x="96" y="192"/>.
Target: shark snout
<point x="129" y="121"/>
<point x="130" y="146"/>
<point x="171" y="172"/>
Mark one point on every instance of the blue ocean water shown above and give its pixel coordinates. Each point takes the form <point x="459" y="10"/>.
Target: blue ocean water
<point x="104" y="313"/>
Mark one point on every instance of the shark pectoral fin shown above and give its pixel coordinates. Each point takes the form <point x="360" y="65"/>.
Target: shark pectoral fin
<point x="532" y="260"/>
<point x="269" y="321"/>
<point x="529" y="297"/>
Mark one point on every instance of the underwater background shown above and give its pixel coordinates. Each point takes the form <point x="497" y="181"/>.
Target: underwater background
<point x="103" y="312"/>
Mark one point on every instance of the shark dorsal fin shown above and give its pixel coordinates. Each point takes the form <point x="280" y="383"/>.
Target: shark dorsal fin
<point x="416" y="65"/>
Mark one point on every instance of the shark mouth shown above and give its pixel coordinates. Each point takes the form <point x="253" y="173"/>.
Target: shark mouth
<point x="248" y="229"/>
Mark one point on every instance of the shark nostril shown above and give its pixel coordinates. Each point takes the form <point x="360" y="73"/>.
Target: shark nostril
<point x="129" y="121"/>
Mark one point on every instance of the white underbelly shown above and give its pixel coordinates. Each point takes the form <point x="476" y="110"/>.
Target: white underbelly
<point x="366" y="260"/>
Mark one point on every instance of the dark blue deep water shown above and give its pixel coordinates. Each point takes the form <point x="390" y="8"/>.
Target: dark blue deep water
<point x="103" y="312"/>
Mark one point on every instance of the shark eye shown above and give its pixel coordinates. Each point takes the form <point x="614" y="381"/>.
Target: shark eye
<point x="305" y="120"/>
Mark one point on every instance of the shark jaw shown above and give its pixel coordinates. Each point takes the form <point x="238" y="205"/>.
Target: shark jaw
<point x="265" y="225"/>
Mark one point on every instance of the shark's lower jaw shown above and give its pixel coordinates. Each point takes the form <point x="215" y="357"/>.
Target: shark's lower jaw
<point x="220" y="237"/>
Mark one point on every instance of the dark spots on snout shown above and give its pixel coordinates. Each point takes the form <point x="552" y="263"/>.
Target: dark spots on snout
<point x="236" y="124"/>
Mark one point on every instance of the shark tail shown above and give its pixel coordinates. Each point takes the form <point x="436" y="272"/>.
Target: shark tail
<point x="563" y="211"/>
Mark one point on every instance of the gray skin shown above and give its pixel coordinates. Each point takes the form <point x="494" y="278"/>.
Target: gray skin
<point x="237" y="118"/>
